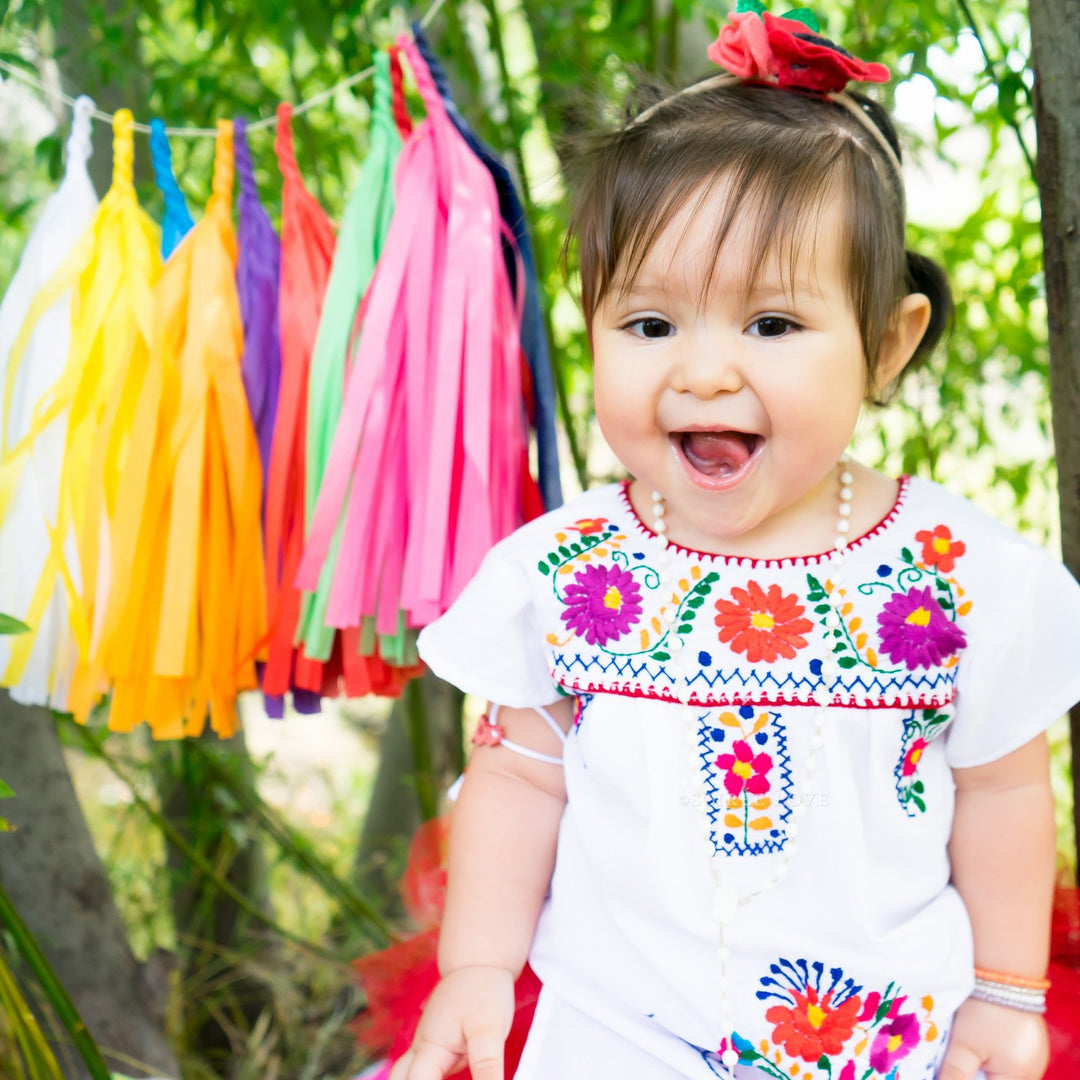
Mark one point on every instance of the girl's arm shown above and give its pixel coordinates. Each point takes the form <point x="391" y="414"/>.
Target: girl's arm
<point x="503" y="833"/>
<point x="1003" y="855"/>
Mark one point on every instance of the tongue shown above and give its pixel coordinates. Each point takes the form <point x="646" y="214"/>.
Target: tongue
<point x="716" y="453"/>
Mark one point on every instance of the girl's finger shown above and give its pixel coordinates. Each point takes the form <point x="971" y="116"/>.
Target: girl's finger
<point x="486" y="1055"/>
<point x="428" y="1061"/>
<point x="401" y="1067"/>
<point x="960" y="1063"/>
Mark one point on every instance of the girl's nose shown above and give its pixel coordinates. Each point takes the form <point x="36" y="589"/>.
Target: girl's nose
<point x="707" y="369"/>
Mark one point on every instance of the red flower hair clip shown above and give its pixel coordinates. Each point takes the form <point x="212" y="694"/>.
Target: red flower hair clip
<point x="788" y="51"/>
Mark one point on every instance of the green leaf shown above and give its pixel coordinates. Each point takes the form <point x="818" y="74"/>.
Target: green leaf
<point x="553" y="559"/>
<point x="847" y="661"/>
<point x="905" y="554"/>
<point x="840" y="646"/>
<point x="685" y="628"/>
<point x="543" y="567"/>
<point x="710" y="578"/>
<point x="660" y="655"/>
<point x="695" y="602"/>
<point x="5" y="791"/>
<point x="822" y="609"/>
<point x="565" y="551"/>
<point x="10" y="625"/>
<point x="805" y="16"/>
<point x="755" y="6"/>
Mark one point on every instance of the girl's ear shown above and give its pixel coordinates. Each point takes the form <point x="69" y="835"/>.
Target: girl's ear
<point x="909" y="322"/>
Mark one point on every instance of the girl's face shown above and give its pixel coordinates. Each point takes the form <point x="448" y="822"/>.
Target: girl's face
<point x="735" y="407"/>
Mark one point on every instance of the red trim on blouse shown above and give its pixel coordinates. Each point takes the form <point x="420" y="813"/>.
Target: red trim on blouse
<point x="788" y="560"/>
<point x="652" y="693"/>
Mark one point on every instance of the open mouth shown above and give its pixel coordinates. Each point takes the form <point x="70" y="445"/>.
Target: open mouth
<point x="717" y="458"/>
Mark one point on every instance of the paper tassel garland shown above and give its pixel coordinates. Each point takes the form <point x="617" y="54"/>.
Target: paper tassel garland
<point x="432" y="418"/>
<point x="208" y="565"/>
<point x="307" y="248"/>
<point x="176" y="222"/>
<point x="363" y="235"/>
<point x="258" y="269"/>
<point x="41" y="677"/>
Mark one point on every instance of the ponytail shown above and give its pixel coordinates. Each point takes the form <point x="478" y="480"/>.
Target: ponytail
<point x="926" y="277"/>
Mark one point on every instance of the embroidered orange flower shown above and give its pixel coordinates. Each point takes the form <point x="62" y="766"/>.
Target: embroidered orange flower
<point x="589" y="526"/>
<point x="764" y="625"/>
<point x="939" y="548"/>
<point x="813" y="1026"/>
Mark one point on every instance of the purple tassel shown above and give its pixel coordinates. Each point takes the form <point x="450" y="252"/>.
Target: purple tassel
<point x="258" y="268"/>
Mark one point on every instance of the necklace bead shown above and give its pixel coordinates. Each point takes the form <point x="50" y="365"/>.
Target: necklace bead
<point x="726" y="898"/>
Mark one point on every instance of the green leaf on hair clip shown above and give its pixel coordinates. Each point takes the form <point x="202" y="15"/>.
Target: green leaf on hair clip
<point x="806" y="16"/>
<point x="756" y="6"/>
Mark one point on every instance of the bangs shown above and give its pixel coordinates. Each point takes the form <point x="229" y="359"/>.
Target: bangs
<point x="780" y="223"/>
<point x="775" y="159"/>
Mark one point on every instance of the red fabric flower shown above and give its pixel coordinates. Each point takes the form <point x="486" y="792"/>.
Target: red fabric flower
<point x="808" y="61"/>
<point x="939" y="548"/>
<point x="743" y="47"/>
<point x="763" y="625"/>
<point x="487" y="733"/>
<point x="813" y="1026"/>
<point x="786" y="51"/>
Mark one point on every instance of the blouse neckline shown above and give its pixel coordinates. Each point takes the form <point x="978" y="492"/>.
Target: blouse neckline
<point x="788" y="560"/>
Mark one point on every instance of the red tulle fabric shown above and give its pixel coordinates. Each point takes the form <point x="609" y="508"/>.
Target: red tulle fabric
<point x="398" y="980"/>
<point x="1063" y="1000"/>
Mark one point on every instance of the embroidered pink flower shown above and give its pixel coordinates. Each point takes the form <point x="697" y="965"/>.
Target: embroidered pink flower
<point x="769" y="48"/>
<point x="602" y="603"/>
<point x="911" y="758"/>
<point x="916" y="632"/>
<point x="939" y="548"/>
<point x="745" y="769"/>
<point x="895" y="1040"/>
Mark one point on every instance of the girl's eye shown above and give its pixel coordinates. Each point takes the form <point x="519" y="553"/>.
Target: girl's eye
<point x="651" y="327"/>
<point x="771" y="326"/>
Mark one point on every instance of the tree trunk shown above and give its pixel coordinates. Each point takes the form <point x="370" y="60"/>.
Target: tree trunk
<point x="1055" y="43"/>
<point x="52" y="872"/>
<point x="401" y="789"/>
<point x="210" y="925"/>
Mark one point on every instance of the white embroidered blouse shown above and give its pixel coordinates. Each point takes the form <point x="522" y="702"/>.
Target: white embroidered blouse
<point x="959" y="643"/>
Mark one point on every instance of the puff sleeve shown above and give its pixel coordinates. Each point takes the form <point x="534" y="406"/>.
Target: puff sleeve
<point x="1021" y="670"/>
<point x="487" y="643"/>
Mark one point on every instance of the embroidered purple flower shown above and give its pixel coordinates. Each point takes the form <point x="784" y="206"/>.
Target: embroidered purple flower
<point x="894" y="1041"/>
<point x="916" y="632"/>
<point x="602" y="603"/>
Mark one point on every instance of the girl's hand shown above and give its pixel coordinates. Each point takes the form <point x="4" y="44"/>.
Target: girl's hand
<point x="1007" y="1043"/>
<point x="465" y="1022"/>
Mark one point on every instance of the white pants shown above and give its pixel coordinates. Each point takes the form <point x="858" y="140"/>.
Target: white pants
<point x="566" y="1044"/>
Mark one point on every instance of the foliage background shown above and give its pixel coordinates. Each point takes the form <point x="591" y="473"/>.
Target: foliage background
<point x="531" y="77"/>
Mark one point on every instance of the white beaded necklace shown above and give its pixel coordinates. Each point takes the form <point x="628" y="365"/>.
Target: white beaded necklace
<point x="726" y="900"/>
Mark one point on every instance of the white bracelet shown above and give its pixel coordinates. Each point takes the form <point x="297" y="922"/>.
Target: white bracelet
<point x="1014" y="997"/>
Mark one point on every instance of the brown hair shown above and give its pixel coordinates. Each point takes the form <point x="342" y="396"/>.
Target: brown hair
<point x="784" y="153"/>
